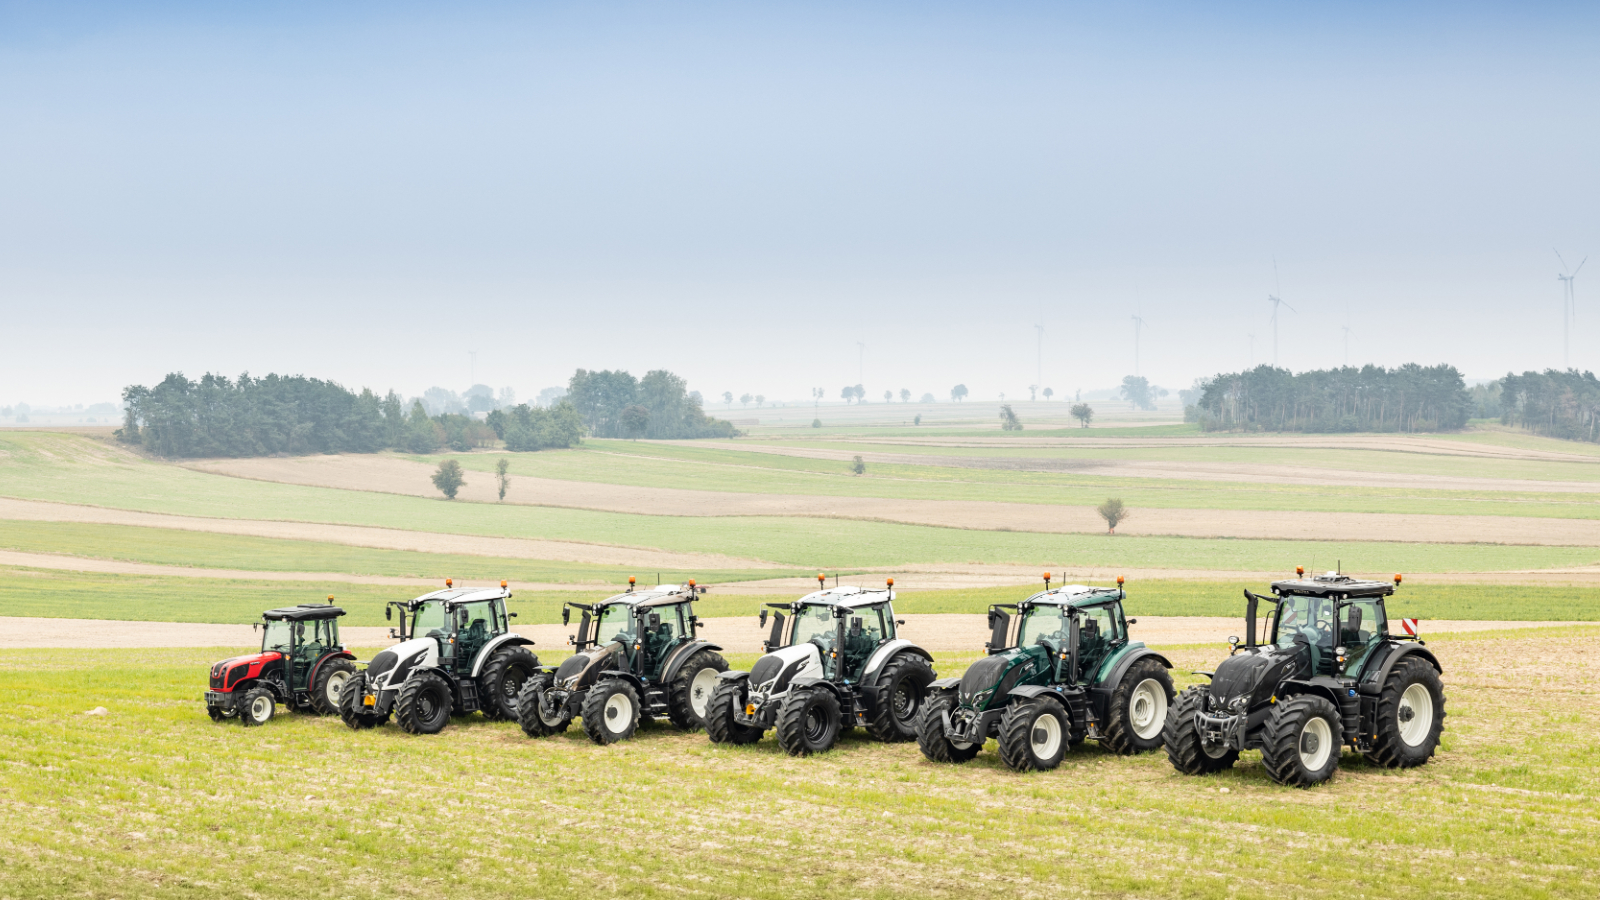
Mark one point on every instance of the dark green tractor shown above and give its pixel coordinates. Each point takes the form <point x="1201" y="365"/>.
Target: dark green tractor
<point x="1061" y="670"/>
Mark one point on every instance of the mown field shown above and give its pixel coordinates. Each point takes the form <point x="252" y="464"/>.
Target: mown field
<point x="154" y="800"/>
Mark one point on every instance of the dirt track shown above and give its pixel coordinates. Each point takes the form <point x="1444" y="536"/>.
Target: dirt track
<point x="398" y="476"/>
<point x="937" y="633"/>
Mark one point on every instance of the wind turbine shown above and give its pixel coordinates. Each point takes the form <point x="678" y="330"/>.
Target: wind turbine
<point x="1040" y="330"/>
<point x="1252" y="350"/>
<point x="1138" y="325"/>
<point x="1277" y="302"/>
<point x="1569" y="303"/>
<point x="861" y="372"/>
<point x="1347" y="346"/>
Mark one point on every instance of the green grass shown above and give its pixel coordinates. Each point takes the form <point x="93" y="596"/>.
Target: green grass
<point x="76" y="595"/>
<point x="155" y="801"/>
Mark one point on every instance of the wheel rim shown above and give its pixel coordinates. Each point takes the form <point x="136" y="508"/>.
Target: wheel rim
<point x="426" y="706"/>
<point x="816" y="724"/>
<point x="336" y="683"/>
<point x="1045" y="736"/>
<point x="260" y="708"/>
<point x="1415" y="713"/>
<point x="1147" y="709"/>
<point x="511" y="685"/>
<point x="619" y="712"/>
<point x="1316" y="743"/>
<point x="705" y="681"/>
<point x="904" y="702"/>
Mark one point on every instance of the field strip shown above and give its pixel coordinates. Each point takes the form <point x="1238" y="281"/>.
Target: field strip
<point x="385" y="474"/>
<point x="1174" y="470"/>
<point x="380" y="538"/>
<point x="938" y="633"/>
<point x="1392" y="444"/>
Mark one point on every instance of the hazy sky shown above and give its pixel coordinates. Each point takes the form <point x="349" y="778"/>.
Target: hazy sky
<point x="743" y="192"/>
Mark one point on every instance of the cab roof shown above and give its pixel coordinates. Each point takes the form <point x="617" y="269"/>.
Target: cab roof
<point x="303" y="612"/>
<point x="1074" y="595"/>
<point x="660" y="595"/>
<point x="452" y="596"/>
<point x="1332" y="583"/>
<point x="848" y="596"/>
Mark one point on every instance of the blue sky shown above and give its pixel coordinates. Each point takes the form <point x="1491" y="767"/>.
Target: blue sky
<point x="742" y="192"/>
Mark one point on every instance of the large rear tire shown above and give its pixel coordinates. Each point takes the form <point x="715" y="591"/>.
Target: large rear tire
<point x="501" y="683"/>
<point x="533" y="708"/>
<point x="424" y="703"/>
<point x="1139" y="708"/>
<point x="808" y="721"/>
<point x="689" y="696"/>
<point x="1034" y="735"/>
<point x="902" y="687"/>
<point x="258" y="707"/>
<point x="328" y="687"/>
<point x="721" y="727"/>
<point x="352" y="710"/>
<point x="610" y="711"/>
<point x="930" y="731"/>
<point x="1410" y="716"/>
<point x="1187" y="752"/>
<point x="1301" y="741"/>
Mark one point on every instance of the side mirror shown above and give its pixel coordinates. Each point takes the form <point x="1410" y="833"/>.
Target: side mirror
<point x="511" y="615"/>
<point x="762" y="618"/>
<point x="655" y="620"/>
<point x="388" y="613"/>
<point x="899" y="621"/>
<point x="566" y="615"/>
<point x="1133" y="621"/>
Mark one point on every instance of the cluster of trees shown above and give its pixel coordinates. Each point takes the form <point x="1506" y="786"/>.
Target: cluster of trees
<point x="659" y="405"/>
<point x="1555" y="403"/>
<point x="1371" y="398"/>
<point x="1137" y="390"/>
<point x="525" y="427"/>
<point x="1008" y="419"/>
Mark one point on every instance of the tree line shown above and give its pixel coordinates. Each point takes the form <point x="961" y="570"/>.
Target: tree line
<point x="1371" y="398"/>
<point x="295" y="415"/>
<point x="1554" y="403"/>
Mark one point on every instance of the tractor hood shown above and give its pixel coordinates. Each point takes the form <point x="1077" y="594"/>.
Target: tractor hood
<point x="390" y="668"/>
<point x="772" y="673"/>
<point x="987" y="681"/>
<point x="228" y="672"/>
<point x="1249" y="678"/>
<point x="579" y="671"/>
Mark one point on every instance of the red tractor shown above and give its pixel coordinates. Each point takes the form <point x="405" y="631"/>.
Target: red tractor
<point x="301" y="665"/>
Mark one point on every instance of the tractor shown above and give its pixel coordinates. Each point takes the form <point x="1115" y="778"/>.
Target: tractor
<point x="636" y="657"/>
<point x="1061" y="670"/>
<point x="301" y="665"/>
<point x="1327" y="673"/>
<point x="832" y="663"/>
<point x="457" y="655"/>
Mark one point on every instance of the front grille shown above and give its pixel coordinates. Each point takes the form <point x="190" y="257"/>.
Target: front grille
<point x="382" y="662"/>
<point x="765" y="669"/>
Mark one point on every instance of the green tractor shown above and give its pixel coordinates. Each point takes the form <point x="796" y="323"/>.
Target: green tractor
<point x="1060" y="671"/>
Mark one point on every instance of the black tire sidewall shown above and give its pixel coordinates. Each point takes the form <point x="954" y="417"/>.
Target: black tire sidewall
<point x="823" y="704"/>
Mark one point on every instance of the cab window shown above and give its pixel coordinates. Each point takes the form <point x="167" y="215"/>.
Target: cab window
<point x="1305" y="617"/>
<point x="1361" y="628"/>
<point x="278" y="636"/>
<point x="430" y="616"/>
<point x="615" y="624"/>
<point x="478" y="620"/>
<point x="1042" y="622"/>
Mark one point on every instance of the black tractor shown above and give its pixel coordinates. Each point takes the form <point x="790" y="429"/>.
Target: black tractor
<point x="637" y="657"/>
<point x="456" y="655"/>
<point x="301" y="665"/>
<point x="832" y="663"/>
<point x="1328" y="673"/>
<point x="1062" y="670"/>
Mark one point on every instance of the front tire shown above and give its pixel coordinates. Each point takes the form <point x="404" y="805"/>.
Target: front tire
<point x="1185" y="749"/>
<point x="808" y="721"/>
<point x="721" y="727"/>
<point x="500" y="685"/>
<point x="328" y="687"/>
<point x="352" y="710"/>
<point x="1410" y="716"/>
<point x="533" y="712"/>
<point x="902" y="688"/>
<point x="930" y="731"/>
<point x="258" y="707"/>
<point x="1301" y="741"/>
<point x="1139" y="708"/>
<point x="610" y="711"/>
<point x="424" y="704"/>
<point x="689" y="697"/>
<point x="1034" y="735"/>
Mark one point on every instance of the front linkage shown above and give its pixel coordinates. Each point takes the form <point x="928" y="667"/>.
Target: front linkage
<point x="1069" y="674"/>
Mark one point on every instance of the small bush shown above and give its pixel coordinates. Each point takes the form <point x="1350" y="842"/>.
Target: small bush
<point x="449" y="478"/>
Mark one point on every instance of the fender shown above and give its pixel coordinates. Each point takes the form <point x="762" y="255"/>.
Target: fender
<point x="1135" y="654"/>
<point x="881" y="656"/>
<point x="1373" y="679"/>
<point x="678" y="657"/>
<point x="509" y="639"/>
<point x="311" y="677"/>
<point x="845" y="706"/>
<point x="625" y="675"/>
<point x="1295" y="686"/>
<point x="945" y="684"/>
<point x="733" y="675"/>
<point x="1030" y="691"/>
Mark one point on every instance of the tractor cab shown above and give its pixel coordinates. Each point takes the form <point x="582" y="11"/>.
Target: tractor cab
<point x="460" y="621"/>
<point x="1079" y="628"/>
<point x="302" y="635"/>
<point x="846" y="625"/>
<point x="646" y="625"/>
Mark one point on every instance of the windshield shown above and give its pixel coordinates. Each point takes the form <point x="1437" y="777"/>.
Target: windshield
<point x="1042" y="622"/>
<point x="615" y="624"/>
<point x="428" y="617"/>
<point x="1308" y="617"/>
<point x="279" y="636"/>
<point x="814" y="622"/>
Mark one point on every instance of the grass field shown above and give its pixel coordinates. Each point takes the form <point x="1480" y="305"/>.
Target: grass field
<point x="142" y="598"/>
<point x="154" y="800"/>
